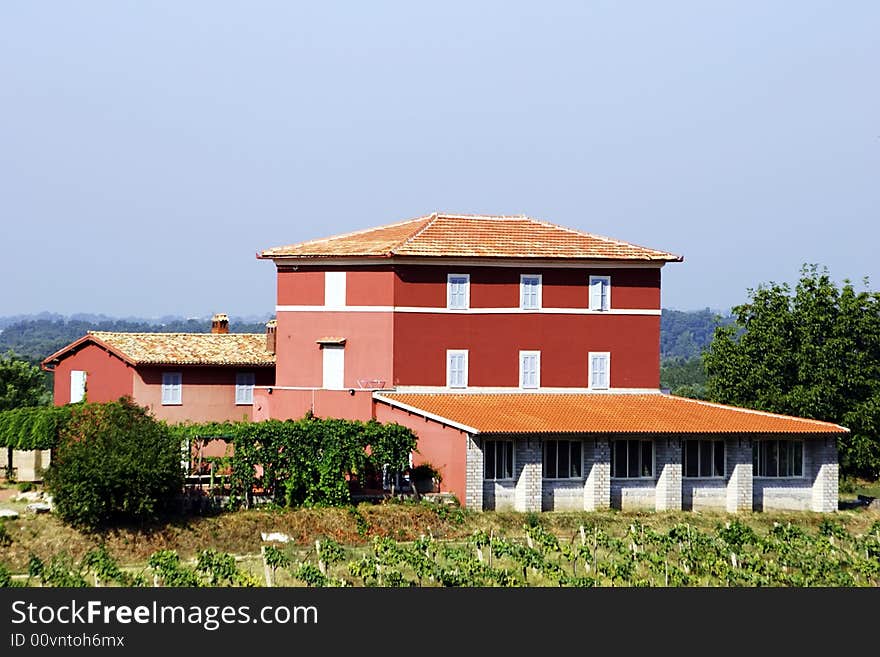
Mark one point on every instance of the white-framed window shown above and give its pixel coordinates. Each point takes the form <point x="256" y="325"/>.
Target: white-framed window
<point x="778" y="458"/>
<point x="600" y="292"/>
<point x="600" y="370"/>
<point x="458" y="291"/>
<point x="498" y="459"/>
<point x="632" y="459"/>
<point x="530" y="369"/>
<point x="563" y="459"/>
<point x="172" y="385"/>
<point x="702" y="458"/>
<point x="334" y="289"/>
<point x="77" y="386"/>
<point x="244" y="388"/>
<point x="530" y="291"/>
<point x="457" y="368"/>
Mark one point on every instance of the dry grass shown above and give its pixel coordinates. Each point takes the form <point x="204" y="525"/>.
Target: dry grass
<point x="239" y="532"/>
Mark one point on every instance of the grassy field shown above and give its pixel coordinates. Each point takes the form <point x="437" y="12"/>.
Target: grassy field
<point x="360" y="531"/>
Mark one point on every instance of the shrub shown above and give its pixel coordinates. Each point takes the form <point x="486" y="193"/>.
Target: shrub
<point x="114" y="464"/>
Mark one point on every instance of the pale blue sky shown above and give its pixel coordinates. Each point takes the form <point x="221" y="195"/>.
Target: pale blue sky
<point x="148" y="150"/>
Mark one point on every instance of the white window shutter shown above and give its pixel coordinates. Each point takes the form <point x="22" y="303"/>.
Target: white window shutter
<point x="77" y="386"/>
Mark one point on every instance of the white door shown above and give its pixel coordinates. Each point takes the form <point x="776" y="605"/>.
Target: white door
<point x="77" y="386"/>
<point x="334" y="367"/>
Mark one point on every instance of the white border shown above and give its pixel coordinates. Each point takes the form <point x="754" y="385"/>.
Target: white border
<point x="467" y="291"/>
<point x="590" y="288"/>
<point x="468" y="311"/>
<point x="450" y="352"/>
<point x="590" y="356"/>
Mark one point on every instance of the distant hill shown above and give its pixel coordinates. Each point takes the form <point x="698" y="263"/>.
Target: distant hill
<point x="35" y="337"/>
<point x="685" y="334"/>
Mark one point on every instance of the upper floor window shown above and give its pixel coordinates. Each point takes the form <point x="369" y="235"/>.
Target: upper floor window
<point x="778" y="458"/>
<point x="457" y="368"/>
<point x="458" y="291"/>
<point x="77" y="386"/>
<point x="703" y="458"/>
<point x="172" y="384"/>
<point x="600" y="292"/>
<point x="530" y="369"/>
<point x="334" y="289"/>
<point x="530" y="291"/>
<point x="244" y="388"/>
<point x="600" y="370"/>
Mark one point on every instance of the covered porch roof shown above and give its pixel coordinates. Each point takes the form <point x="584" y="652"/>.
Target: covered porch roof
<point x="596" y="413"/>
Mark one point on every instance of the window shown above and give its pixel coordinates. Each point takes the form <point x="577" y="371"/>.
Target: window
<point x="334" y="289"/>
<point x="457" y="368"/>
<point x="498" y="459"/>
<point x="530" y="291"/>
<point x="600" y="292"/>
<point x="171" y="388"/>
<point x="703" y="458"/>
<point x="778" y="458"/>
<point x="530" y="369"/>
<point x="458" y="291"/>
<point x="77" y="386"/>
<point x="600" y="370"/>
<point x="244" y="387"/>
<point x="562" y="459"/>
<point x="632" y="459"/>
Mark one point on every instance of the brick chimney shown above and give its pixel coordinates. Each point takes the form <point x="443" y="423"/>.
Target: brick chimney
<point x="271" y="327"/>
<point x="220" y="323"/>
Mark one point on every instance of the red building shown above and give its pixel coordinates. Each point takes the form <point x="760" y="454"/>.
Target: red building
<point x="200" y="377"/>
<point x="525" y="356"/>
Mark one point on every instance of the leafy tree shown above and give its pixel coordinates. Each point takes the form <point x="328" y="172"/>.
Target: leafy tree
<point x="684" y="377"/>
<point x="113" y="464"/>
<point x="812" y="353"/>
<point x="21" y="384"/>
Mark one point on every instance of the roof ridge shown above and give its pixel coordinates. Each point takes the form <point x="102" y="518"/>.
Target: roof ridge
<point x="430" y="222"/>
<point x="756" y="411"/>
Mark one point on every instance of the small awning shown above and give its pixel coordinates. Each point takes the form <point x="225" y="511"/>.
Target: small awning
<point x="332" y="340"/>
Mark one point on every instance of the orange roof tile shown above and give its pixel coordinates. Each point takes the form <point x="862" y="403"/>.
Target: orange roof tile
<point x="471" y="236"/>
<point x="184" y="348"/>
<point x="599" y="413"/>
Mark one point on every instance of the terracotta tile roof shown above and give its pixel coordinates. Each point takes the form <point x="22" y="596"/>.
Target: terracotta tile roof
<point x="188" y="348"/>
<point x="471" y="236"/>
<point x="599" y="413"/>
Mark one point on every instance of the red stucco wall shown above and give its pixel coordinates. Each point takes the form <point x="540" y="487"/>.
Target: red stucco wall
<point x="443" y="447"/>
<point x="498" y="287"/>
<point x="494" y="341"/>
<point x="108" y="378"/>
<point x="208" y="393"/>
<point x="299" y="361"/>
<point x="282" y="404"/>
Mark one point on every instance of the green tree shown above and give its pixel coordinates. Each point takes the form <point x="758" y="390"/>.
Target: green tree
<point x="21" y="384"/>
<point x="114" y="463"/>
<point x="813" y="353"/>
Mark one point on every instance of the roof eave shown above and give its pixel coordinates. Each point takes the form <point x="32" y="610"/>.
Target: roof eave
<point x="73" y="346"/>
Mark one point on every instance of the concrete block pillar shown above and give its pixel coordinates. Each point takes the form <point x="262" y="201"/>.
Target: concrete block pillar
<point x="740" y="474"/>
<point x="825" y="472"/>
<point x="473" y="473"/>
<point x="528" y="474"/>
<point x="667" y="461"/>
<point x="597" y="471"/>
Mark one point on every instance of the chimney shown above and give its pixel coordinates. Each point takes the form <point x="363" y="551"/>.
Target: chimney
<point x="220" y="323"/>
<point x="271" y="326"/>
